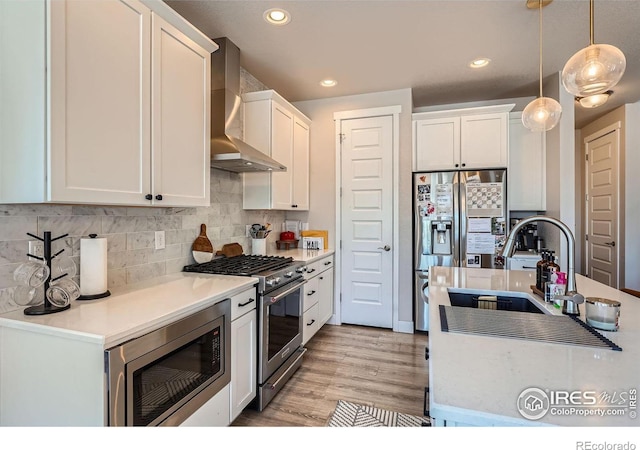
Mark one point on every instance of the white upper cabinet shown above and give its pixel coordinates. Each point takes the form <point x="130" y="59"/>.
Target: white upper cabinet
<point x="471" y="138"/>
<point x="180" y="125"/>
<point x="125" y="106"/>
<point x="276" y="128"/>
<point x="526" y="175"/>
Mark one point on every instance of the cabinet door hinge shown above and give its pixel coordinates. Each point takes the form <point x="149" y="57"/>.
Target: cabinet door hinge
<point x="342" y="137"/>
<point x="586" y="237"/>
<point x="340" y="192"/>
<point x="340" y="243"/>
<point x="586" y="156"/>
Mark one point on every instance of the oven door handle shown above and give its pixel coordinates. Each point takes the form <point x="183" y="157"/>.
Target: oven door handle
<point x="280" y="295"/>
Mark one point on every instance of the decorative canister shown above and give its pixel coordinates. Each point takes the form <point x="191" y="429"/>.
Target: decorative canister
<point x="602" y="313"/>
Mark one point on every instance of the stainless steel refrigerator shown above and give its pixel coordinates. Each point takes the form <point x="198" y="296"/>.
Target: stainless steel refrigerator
<point x="460" y="220"/>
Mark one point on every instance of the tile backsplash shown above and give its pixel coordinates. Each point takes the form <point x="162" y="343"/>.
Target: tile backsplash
<point x="130" y="231"/>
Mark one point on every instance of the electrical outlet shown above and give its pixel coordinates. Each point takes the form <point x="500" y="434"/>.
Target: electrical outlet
<point x="36" y="248"/>
<point x="159" y="240"/>
<point x="247" y="231"/>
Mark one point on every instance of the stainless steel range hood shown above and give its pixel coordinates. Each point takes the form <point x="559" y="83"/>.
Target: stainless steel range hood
<point x="228" y="152"/>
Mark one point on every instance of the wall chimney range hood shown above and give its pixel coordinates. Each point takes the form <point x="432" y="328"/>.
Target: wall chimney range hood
<point x="228" y="152"/>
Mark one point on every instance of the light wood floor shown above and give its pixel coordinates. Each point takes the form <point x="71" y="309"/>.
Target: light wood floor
<point x="370" y="366"/>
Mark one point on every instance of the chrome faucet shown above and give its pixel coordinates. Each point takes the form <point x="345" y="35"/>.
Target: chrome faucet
<point x="571" y="298"/>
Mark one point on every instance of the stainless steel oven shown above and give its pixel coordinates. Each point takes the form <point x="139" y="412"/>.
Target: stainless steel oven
<point x="279" y="290"/>
<point x="281" y="351"/>
<point x="163" y="377"/>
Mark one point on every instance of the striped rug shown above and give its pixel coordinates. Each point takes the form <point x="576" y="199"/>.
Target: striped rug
<point x="349" y="414"/>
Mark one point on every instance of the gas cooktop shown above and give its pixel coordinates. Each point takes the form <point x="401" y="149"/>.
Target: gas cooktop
<point x="241" y="265"/>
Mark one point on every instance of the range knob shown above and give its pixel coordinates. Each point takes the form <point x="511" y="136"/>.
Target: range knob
<point x="270" y="282"/>
<point x="301" y="269"/>
<point x="288" y="274"/>
<point x="277" y="280"/>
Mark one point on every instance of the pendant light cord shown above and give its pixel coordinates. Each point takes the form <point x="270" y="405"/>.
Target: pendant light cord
<point x="591" y="22"/>
<point x="540" y="32"/>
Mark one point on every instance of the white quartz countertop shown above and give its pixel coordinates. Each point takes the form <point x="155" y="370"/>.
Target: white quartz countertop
<point x="133" y="310"/>
<point x="302" y="255"/>
<point x="477" y="379"/>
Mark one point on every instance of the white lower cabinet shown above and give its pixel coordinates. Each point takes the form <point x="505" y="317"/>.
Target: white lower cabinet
<point x="310" y="323"/>
<point x="325" y="296"/>
<point x="244" y="345"/>
<point x="318" y="297"/>
<point x="214" y="413"/>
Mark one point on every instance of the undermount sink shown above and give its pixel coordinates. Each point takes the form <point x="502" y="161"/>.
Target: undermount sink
<point x="493" y="302"/>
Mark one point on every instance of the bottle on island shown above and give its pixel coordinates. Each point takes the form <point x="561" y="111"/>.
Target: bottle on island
<point x="540" y="268"/>
<point x="550" y="268"/>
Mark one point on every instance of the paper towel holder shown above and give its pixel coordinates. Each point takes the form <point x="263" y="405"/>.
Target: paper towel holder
<point x="94" y="296"/>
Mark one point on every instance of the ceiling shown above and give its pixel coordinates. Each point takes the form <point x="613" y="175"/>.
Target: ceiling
<point x="425" y="45"/>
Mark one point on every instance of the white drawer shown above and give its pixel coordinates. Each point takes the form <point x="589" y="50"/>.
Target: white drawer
<point x="243" y="302"/>
<point x="318" y="266"/>
<point x="310" y="323"/>
<point x="310" y="293"/>
<point x="522" y="264"/>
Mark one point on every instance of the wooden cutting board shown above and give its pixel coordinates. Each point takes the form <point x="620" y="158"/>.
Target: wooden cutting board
<point x="230" y="250"/>
<point x="202" y="249"/>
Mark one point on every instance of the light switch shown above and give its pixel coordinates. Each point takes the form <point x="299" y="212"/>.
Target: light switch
<point x="159" y="240"/>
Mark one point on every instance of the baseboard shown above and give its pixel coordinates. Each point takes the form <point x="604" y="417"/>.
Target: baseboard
<point x="405" y="327"/>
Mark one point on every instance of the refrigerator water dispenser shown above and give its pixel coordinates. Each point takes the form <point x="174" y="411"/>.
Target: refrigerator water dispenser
<point x="441" y="237"/>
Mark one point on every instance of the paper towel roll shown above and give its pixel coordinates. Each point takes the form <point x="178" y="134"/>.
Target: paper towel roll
<point x="93" y="267"/>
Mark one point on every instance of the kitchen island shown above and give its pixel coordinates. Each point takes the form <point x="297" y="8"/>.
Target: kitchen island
<point x="477" y="379"/>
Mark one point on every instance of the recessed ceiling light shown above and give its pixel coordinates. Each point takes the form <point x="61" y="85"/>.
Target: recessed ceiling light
<point x="328" y="82"/>
<point x="479" y="62"/>
<point x="277" y="16"/>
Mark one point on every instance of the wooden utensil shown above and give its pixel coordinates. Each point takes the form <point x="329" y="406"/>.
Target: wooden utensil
<point x="230" y="250"/>
<point x="202" y="250"/>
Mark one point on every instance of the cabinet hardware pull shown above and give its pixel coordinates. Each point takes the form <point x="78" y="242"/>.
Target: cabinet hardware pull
<point x="463" y="164"/>
<point x="455" y="165"/>
<point x="610" y="244"/>
<point x="159" y="197"/>
<point x="294" y="206"/>
<point x="311" y="293"/>
<point x="327" y="263"/>
<point x="251" y="300"/>
<point x="311" y="323"/>
<point x="148" y="197"/>
<point x="311" y="271"/>
<point x="322" y="278"/>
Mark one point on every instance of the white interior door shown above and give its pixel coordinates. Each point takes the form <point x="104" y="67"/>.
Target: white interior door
<point x="367" y="221"/>
<point x="602" y="208"/>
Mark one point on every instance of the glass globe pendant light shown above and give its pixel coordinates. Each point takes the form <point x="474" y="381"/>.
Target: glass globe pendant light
<point x="594" y="69"/>
<point x="543" y="113"/>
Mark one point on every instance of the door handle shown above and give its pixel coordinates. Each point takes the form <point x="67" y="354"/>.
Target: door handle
<point x="386" y="248"/>
<point x="610" y="244"/>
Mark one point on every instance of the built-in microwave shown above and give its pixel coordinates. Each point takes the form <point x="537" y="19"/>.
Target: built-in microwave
<point x="163" y="377"/>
